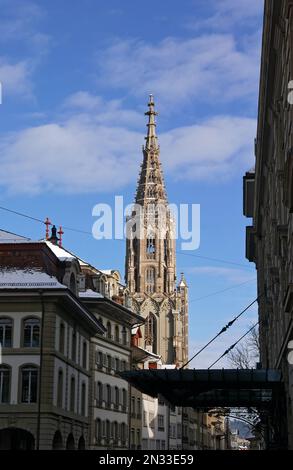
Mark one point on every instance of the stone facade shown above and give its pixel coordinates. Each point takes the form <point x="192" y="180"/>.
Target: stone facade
<point x="268" y="199"/>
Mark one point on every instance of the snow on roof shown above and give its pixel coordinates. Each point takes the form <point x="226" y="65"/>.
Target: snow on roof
<point x="15" y="278"/>
<point x="89" y="293"/>
<point x="61" y="253"/>
<point x="107" y="271"/>
<point x="10" y="237"/>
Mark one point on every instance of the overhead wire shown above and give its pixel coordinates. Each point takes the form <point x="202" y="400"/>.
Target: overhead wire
<point x="233" y="346"/>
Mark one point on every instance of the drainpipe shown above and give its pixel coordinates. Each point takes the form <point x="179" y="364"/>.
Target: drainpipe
<point x="40" y="373"/>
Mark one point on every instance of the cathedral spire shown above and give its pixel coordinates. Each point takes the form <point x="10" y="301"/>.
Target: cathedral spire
<point x="151" y="138"/>
<point x="151" y="187"/>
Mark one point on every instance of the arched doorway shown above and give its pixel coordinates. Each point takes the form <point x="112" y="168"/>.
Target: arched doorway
<point x="57" y="443"/>
<point x="70" y="445"/>
<point x="16" y="439"/>
<point x="81" y="443"/>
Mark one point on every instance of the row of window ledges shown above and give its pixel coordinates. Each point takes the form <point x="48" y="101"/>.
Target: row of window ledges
<point x="29" y="387"/>
<point x="136" y="407"/>
<point x="28" y="384"/>
<point x="122" y="339"/>
<point x="30" y="332"/>
<point x="154" y="444"/>
<point x="74" y="355"/>
<point x="108" y="432"/>
<point x="111" y="397"/>
<point x="72" y="394"/>
<point x="110" y="363"/>
<point x="30" y="337"/>
<point x="150" y="420"/>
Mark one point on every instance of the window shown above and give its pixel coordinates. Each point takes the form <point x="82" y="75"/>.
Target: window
<point x="115" y="432"/>
<point x="124" y="399"/>
<point x="179" y="426"/>
<point x="132" y="438"/>
<point x="73" y="346"/>
<point x="99" y="392"/>
<point x="83" y="399"/>
<point x="161" y="424"/>
<point x="138" y="439"/>
<point x="124" y="336"/>
<point x="123" y="432"/>
<point x="60" y="389"/>
<point x="31" y="333"/>
<point x="108" y="389"/>
<point x="109" y="330"/>
<point x="117" y="337"/>
<point x="133" y="406"/>
<point x="151" y="248"/>
<point x="107" y="430"/>
<point x="109" y="363"/>
<point x="62" y="338"/>
<point x="29" y="384"/>
<point x="116" y="398"/>
<point x="100" y="359"/>
<point x="72" y="394"/>
<point x="84" y="355"/>
<point x="163" y="446"/>
<point x="145" y="418"/>
<point x="4" y="384"/>
<point x="6" y="332"/>
<point x="150" y="280"/>
<point x="117" y="364"/>
<point x="98" y="430"/>
<point x="144" y="444"/>
<point x="138" y="408"/>
<point x="157" y="444"/>
<point x="150" y="332"/>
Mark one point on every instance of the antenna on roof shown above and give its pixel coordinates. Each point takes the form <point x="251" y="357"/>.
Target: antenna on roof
<point x="47" y="223"/>
<point x="60" y="233"/>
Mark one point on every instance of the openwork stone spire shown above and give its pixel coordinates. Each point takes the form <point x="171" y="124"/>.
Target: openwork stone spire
<point x="151" y="187"/>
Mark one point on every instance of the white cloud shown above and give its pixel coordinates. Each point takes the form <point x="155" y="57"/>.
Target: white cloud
<point x="18" y="19"/>
<point x="214" y="148"/>
<point x="15" y="78"/>
<point x="228" y="14"/>
<point x="229" y="274"/>
<point x="209" y="68"/>
<point x="95" y="146"/>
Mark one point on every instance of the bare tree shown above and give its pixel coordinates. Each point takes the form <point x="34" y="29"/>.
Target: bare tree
<point x="246" y="354"/>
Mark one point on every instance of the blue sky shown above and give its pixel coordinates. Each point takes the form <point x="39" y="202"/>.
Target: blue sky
<point x="75" y="82"/>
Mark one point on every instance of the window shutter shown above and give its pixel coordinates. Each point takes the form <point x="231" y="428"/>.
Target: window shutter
<point x="113" y="363"/>
<point x="121" y="397"/>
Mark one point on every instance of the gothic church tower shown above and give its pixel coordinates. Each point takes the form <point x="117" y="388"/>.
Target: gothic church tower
<point x="151" y="260"/>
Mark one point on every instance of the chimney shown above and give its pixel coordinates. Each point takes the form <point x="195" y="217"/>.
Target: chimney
<point x="54" y="239"/>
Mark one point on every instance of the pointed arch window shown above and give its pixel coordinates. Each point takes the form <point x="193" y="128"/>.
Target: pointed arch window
<point x="150" y="280"/>
<point x="151" y="247"/>
<point x="150" y="335"/>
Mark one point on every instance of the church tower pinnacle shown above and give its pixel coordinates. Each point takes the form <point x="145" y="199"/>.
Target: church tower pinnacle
<point x="151" y="186"/>
<point x="150" y="262"/>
